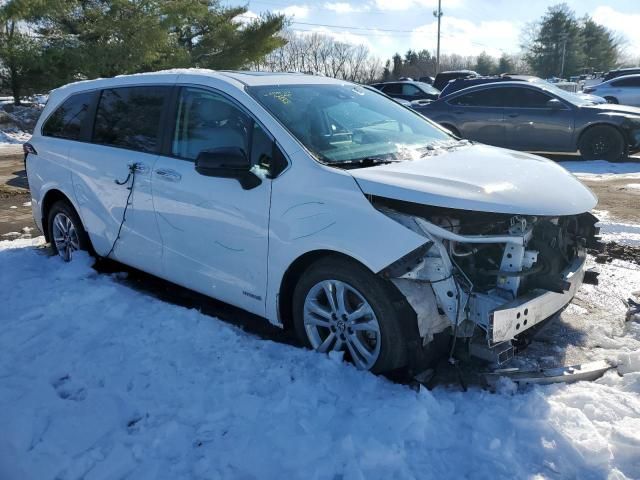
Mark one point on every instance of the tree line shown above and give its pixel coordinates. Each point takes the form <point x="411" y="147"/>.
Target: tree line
<point x="47" y="43"/>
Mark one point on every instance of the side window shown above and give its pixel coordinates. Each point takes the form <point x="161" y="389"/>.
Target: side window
<point x="206" y="121"/>
<point x="393" y="89"/>
<point x="68" y="118"/>
<point x="526" y="98"/>
<point x="129" y="117"/>
<point x="490" y="97"/>
<point x="626" y="82"/>
<point x="412" y="90"/>
<point x="261" y="147"/>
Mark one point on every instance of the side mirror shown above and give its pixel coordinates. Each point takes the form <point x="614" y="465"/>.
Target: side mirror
<point x="555" y="104"/>
<point x="227" y="162"/>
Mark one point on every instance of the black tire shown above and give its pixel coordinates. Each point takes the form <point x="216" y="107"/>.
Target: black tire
<point x="396" y="318"/>
<point x="66" y="209"/>
<point x="613" y="100"/>
<point x="602" y="142"/>
<point x="452" y="129"/>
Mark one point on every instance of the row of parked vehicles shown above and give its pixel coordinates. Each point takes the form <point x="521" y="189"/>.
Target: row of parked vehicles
<point x="524" y="112"/>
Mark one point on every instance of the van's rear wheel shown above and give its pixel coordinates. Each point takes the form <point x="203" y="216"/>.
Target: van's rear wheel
<point x="341" y="306"/>
<point x="602" y="142"/>
<point x="66" y="231"/>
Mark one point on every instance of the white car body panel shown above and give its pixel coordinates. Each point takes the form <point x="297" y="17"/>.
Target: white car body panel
<point x="208" y="234"/>
<point x="481" y="178"/>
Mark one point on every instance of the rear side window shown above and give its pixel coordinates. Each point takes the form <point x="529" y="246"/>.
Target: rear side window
<point x="67" y="120"/>
<point x="490" y="97"/>
<point x="129" y="117"/>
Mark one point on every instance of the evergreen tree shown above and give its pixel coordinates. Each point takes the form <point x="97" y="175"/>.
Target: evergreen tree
<point x="601" y="48"/>
<point x="485" y="64"/>
<point x="505" y="64"/>
<point x="558" y="47"/>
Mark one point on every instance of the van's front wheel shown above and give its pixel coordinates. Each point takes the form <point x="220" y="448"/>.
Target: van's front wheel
<point x="66" y="231"/>
<point x="341" y="306"/>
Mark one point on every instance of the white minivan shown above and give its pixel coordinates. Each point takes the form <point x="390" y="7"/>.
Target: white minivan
<point x="315" y="203"/>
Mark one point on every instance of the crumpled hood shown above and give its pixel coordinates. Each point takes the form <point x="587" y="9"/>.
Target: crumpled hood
<point x="481" y="178"/>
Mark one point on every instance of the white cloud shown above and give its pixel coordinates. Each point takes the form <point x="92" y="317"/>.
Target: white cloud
<point x="344" y="7"/>
<point x="407" y="4"/>
<point x="299" y="12"/>
<point x="623" y="23"/>
<point x="465" y="37"/>
<point x="246" y="17"/>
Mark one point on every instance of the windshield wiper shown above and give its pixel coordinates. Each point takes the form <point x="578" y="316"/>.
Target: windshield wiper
<point x="363" y="162"/>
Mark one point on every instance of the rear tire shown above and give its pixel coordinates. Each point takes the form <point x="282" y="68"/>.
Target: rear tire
<point x="66" y="232"/>
<point x="602" y="142"/>
<point x="375" y="316"/>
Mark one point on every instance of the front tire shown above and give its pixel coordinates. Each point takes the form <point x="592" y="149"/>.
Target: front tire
<point x="339" y="305"/>
<point x="66" y="231"/>
<point x="602" y="142"/>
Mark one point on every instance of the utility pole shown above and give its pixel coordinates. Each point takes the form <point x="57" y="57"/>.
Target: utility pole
<point x="438" y="15"/>
<point x="564" y="37"/>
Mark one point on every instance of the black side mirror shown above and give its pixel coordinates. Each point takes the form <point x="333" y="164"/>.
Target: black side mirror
<point x="227" y="162"/>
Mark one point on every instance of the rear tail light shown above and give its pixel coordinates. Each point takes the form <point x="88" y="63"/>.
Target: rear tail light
<point x="27" y="148"/>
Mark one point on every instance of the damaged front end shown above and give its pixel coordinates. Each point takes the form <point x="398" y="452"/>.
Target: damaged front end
<point x="489" y="277"/>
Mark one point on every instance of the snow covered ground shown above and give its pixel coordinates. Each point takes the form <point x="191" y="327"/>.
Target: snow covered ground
<point x="100" y="381"/>
<point x="612" y="230"/>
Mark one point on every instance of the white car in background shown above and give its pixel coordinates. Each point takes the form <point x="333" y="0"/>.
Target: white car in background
<point x="315" y="203"/>
<point x="624" y="90"/>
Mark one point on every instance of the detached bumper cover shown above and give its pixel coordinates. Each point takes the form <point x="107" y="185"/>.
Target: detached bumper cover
<point x="524" y="312"/>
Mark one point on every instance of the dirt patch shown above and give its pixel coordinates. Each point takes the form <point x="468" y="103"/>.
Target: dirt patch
<point x="616" y="197"/>
<point x="616" y="251"/>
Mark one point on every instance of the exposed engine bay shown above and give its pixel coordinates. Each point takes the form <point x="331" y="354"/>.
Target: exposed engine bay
<point x="488" y="275"/>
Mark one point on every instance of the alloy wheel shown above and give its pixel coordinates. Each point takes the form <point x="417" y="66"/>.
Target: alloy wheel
<point x="338" y="317"/>
<point x="65" y="236"/>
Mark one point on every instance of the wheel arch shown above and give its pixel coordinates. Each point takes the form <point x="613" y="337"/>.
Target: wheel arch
<point x="293" y="273"/>
<point x="50" y="198"/>
<point x="602" y="124"/>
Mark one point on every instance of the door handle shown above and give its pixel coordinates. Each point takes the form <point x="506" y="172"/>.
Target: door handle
<point x="140" y="167"/>
<point x="168" y="175"/>
<point x="514" y="115"/>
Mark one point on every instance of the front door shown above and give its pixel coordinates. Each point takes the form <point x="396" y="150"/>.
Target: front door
<point x="214" y="232"/>
<point x="532" y="124"/>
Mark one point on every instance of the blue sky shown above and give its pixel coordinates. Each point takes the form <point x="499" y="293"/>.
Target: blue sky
<point x="468" y="26"/>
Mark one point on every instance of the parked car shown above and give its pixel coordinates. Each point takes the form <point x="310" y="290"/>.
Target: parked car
<point x="314" y="203"/>
<point x="426" y="79"/>
<point x="408" y="90"/>
<point x="624" y="90"/>
<point x="620" y="72"/>
<point x="443" y="78"/>
<point x="536" y="117"/>
<point x="460" y="83"/>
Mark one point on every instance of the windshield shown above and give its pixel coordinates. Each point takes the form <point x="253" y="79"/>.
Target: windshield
<point x="348" y="123"/>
